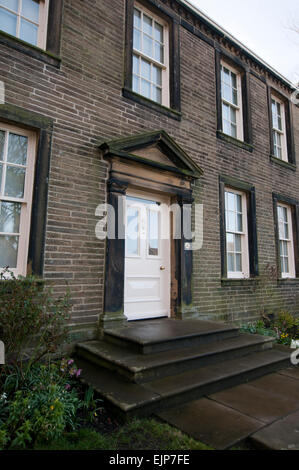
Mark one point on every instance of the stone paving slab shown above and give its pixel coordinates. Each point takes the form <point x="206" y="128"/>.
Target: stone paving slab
<point x="261" y="403"/>
<point x="265" y="410"/>
<point x="279" y="385"/>
<point x="211" y="423"/>
<point x="281" y="435"/>
<point x="291" y="372"/>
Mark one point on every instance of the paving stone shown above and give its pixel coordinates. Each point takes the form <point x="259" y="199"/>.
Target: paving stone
<point x="291" y="372"/>
<point x="257" y="402"/>
<point x="280" y="385"/>
<point x="211" y="423"/>
<point x="281" y="435"/>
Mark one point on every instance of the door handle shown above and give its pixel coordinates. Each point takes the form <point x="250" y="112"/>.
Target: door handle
<point x="162" y="268"/>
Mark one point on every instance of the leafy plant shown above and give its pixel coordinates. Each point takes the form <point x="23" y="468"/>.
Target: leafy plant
<point x="41" y="406"/>
<point x="91" y="405"/>
<point x="33" y="323"/>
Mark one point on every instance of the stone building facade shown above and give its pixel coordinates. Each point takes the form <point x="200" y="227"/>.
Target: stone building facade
<point x="210" y="124"/>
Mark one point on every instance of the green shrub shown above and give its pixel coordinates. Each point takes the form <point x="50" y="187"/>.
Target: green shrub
<point x="32" y="320"/>
<point x="284" y="327"/>
<point x="38" y="406"/>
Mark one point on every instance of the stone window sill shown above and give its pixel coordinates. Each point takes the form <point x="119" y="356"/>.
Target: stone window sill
<point x="288" y="281"/>
<point x="283" y="163"/>
<point x="236" y="142"/>
<point x="29" y="49"/>
<point x="227" y="282"/>
<point x="172" y="113"/>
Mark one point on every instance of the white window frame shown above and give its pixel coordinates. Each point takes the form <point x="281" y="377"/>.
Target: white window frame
<point x="42" y="23"/>
<point x="282" y="131"/>
<point x="26" y="200"/>
<point x="239" y="107"/>
<point x="163" y="66"/>
<point x="289" y="241"/>
<point x="245" y="273"/>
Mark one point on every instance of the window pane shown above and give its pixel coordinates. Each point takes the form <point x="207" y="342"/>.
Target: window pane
<point x="286" y="265"/>
<point x="30" y="9"/>
<point x="146" y="69"/>
<point x="15" y="179"/>
<point x="238" y="263"/>
<point x="226" y="127"/>
<point x="8" y="22"/>
<point x="226" y="75"/>
<point x="226" y="92"/>
<point x="8" y="251"/>
<point x="239" y="223"/>
<point x="230" y="242"/>
<point x="231" y="221"/>
<point x="10" y="217"/>
<point x="28" y="32"/>
<point x="137" y="40"/>
<point x="238" y="243"/>
<point x="136" y="84"/>
<point x="159" y="53"/>
<point x="235" y="97"/>
<point x="132" y="231"/>
<point x="153" y="233"/>
<point x="157" y="76"/>
<point x="158" y="32"/>
<point x="148" y="46"/>
<point x="2" y="142"/>
<point x="136" y="65"/>
<point x="230" y="262"/>
<point x="233" y="115"/>
<point x="11" y="4"/>
<point x="239" y="202"/>
<point x="225" y="111"/>
<point x="147" y="25"/>
<point x="137" y="19"/>
<point x="233" y="132"/>
<point x="145" y="88"/>
<point x="230" y="201"/>
<point x="157" y="94"/>
<point x="17" y="149"/>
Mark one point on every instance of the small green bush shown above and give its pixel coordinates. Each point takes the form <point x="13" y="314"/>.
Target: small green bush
<point x="284" y="327"/>
<point x="38" y="406"/>
<point x="33" y="323"/>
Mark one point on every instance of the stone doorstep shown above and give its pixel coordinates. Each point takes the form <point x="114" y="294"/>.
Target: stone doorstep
<point x="142" y="400"/>
<point x="143" y="367"/>
<point x="160" y="335"/>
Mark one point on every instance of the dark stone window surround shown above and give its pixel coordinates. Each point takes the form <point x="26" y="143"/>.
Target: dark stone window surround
<point x="44" y="127"/>
<point x="227" y="181"/>
<point x="294" y="204"/>
<point x="291" y="163"/>
<point x="221" y="54"/>
<point x="174" y="111"/>
<point x="51" y="55"/>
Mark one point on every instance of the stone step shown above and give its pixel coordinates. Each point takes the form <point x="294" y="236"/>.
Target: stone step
<point x="129" y="398"/>
<point x="141" y="368"/>
<point x="152" y="336"/>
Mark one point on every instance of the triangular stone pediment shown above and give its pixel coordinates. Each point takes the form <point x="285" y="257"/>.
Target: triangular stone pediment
<point x="154" y="154"/>
<point x="153" y="148"/>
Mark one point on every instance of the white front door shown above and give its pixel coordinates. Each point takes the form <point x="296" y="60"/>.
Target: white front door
<point x="147" y="263"/>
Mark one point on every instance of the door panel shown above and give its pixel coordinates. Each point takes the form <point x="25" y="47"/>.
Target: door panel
<point x="147" y="263"/>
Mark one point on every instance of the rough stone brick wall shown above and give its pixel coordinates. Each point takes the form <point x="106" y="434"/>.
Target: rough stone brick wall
<point x="84" y="98"/>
